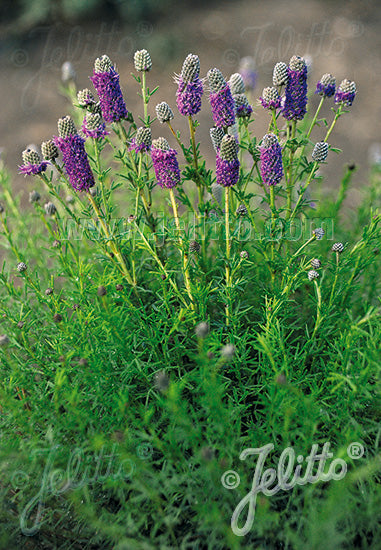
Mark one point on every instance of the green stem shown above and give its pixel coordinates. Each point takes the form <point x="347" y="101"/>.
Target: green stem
<point x="227" y="267"/>
<point x="303" y="190"/>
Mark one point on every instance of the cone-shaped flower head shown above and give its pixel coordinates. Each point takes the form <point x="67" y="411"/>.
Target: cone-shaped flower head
<point x="271" y="160"/>
<point x="295" y="101"/>
<point x="346" y="92"/>
<point x="216" y="135"/>
<point x="227" y="163"/>
<point x="242" y="105"/>
<point x="50" y="208"/>
<point x="248" y="73"/>
<point x="280" y="74"/>
<point x="76" y="162"/>
<point x="85" y="98"/>
<point x="49" y="150"/>
<point x="106" y="82"/>
<point x="142" y="61"/>
<point x="163" y="112"/>
<point x="32" y="163"/>
<point x="270" y="98"/>
<point x="236" y="84"/>
<point x="190" y="88"/>
<point x="312" y="274"/>
<point x="68" y="73"/>
<point x="320" y="152"/>
<point x="142" y="140"/>
<point x="165" y="163"/>
<point x="326" y="85"/>
<point x="338" y="247"/>
<point x="93" y="126"/>
<point x="316" y="263"/>
<point x="221" y="99"/>
<point x="319" y="233"/>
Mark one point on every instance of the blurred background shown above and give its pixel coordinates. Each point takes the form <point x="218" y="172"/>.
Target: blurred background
<point x="38" y="36"/>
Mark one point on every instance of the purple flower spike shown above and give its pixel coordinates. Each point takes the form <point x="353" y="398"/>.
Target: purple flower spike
<point x="271" y="160"/>
<point x="32" y="163"/>
<point x="295" y="101"/>
<point x="227" y="163"/>
<point x="346" y="92"/>
<point x="106" y="82"/>
<point x="190" y="88"/>
<point x="221" y="100"/>
<point x="165" y="164"/>
<point x="74" y="155"/>
<point x="326" y="85"/>
<point x="93" y="127"/>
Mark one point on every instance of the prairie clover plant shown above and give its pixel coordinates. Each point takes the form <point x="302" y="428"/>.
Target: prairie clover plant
<point x="179" y="301"/>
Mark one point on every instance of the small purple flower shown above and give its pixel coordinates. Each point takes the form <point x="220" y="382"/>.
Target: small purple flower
<point x="271" y="160"/>
<point x="295" y="102"/>
<point x="270" y="98"/>
<point x="346" y="92"/>
<point x="74" y="155"/>
<point x="165" y="164"/>
<point x="326" y="85"/>
<point x="221" y="100"/>
<point x="190" y="88"/>
<point x="227" y="163"/>
<point x="93" y="127"/>
<point x="32" y="163"/>
<point x="106" y="82"/>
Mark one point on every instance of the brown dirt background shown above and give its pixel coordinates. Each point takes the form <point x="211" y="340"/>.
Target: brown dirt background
<point x="342" y="38"/>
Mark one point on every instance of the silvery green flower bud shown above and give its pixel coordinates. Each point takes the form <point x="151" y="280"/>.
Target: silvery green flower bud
<point x="142" y="61"/>
<point x="161" y="143"/>
<point x="194" y="247"/>
<point x="270" y="98"/>
<point x="66" y="127"/>
<point x="202" y="330"/>
<point x="269" y="140"/>
<point x="103" y="64"/>
<point x="228" y="352"/>
<point x="101" y="291"/>
<point x="68" y="72"/>
<point x="320" y="152"/>
<point x="228" y="148"/>
<point x="244" y="255"/>
<point x="93" y="121"/>
<point x="161" y="381"/>
<point x="85" y="98"/>
<point x="297" y="63"/>
<point x="241" y="210"/>
<point x="319" y="233"/>
<point x="143" y="138"/>
<point x="216" y="80"/>
<point x="312" y="274"/>
<point x="49" y="291"/>
<point x="50" y="208"/>
<point x="163" y="112"/>
<point x="191" y="68"/>
<point x="34" y="196"/>
<point x="316" y="263"/>
<point x="49" y="150"/>
<point x="30" y="156"/>
<point x="21" y="267"/>
<point x="280" y="74"/>
<point x="216" y="135"/>
<point x="338" y="247"/>
<point x="56" y="243"/>
<point x="4" y="340"/>
<point x="93" y="191"/>
<point x="217" y="192"/>
<point x="236" y="84"/>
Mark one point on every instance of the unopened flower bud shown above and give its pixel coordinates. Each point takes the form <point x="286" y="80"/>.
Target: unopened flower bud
<point x="202" y="330"/>
<point x="21" y="267"/>
<point x="216" y="80"/>
<point x="30" y="156"/>
<point x="216" y="135"/>
<point x="66" y="127"/>
<point x="320" y="152"/>
<point x="191" y="68"/>
<point x="280" y="74"/>
<point x="194" y="247"/>
<point x="319" y="233"/>
<point x="312" y="274"/>
<point x="101" y="291"/>
<point x="49" y="291"/>
<point x="338" y="247"/>
<point x="103" y="64"/>
<point x="163" y="112"/>
<point x="49" y="150"/>
<point x="57" y="317"/>
<point x="228" y="148"/>
<point x="161" y="381"/>
<point x="68" y="72"/>
<point x="50" y="208"/>
<point x="270" y="98"/>
<point x="34" y="196"/>
<point x="244" y="255"/>
<point x="228" y="352"/>
<point x="315" y="263"/>
<point x="241" y="210"/>
<point x="236" y="84"/>
<point x="85" y="98"/>
<point x="142" y="60"/>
